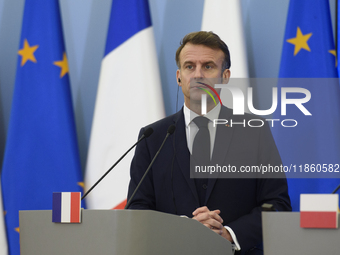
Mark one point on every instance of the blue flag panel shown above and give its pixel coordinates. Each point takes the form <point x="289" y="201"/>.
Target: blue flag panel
<point x="127" y="18"/>
<point x="41" y="155"/>
<point x="309" y="52"/>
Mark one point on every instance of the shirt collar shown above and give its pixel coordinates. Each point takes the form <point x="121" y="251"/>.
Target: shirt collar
<point x="190" y="115"/>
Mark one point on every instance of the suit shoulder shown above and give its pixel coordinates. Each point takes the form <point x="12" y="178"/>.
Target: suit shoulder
<point x="163" y="124"/>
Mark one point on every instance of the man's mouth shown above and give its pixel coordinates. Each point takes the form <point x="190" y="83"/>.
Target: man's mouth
<point x="205" y="86"/>
<point x="200" y="85"/>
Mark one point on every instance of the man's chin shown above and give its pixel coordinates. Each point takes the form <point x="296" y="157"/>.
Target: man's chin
<point x="196" y="99"/>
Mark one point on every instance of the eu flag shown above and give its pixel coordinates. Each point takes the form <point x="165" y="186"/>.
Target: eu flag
<point x="41" y="154"/>
<point x="313" y="146"/>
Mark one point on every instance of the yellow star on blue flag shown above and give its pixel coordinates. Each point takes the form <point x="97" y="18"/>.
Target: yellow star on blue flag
<point x="300" y="41"/>
<point x="27" y="53"/>
<point x="63" y="64"/>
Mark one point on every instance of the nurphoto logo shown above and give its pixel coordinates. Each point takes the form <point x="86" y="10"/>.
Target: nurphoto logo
<point x="239" y="99"/>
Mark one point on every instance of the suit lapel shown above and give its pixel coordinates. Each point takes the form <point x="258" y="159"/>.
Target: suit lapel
<point x="182" y="151"/>
<point x="221" y="146"/>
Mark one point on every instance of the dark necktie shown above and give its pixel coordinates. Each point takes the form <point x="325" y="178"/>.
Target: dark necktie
<point x="201" y="154"/>
<point x="201" y="144"/>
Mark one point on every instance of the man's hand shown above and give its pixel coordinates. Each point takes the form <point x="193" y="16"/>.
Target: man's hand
<point x="212" y="220"/>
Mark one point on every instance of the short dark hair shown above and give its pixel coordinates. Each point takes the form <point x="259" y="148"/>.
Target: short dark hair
<point x="208" y="39"/>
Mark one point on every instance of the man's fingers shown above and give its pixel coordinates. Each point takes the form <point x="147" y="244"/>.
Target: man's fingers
<point x="206" y="212"/>
<point x="218" y="231"/>
<point x="208" y="215"/>
<point x="200" y="210"/>
<point x="212" y="224"/>
<point x="207" y="225"/>
<point x="215" y="224"/>
<point x="204" y="209"/>
<point x="216" y="216"/>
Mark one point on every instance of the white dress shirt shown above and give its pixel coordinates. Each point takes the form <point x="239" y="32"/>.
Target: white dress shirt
<point x="191" y="130"/>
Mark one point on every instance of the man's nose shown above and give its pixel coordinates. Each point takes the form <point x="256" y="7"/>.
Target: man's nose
<point x="198" y="74"/>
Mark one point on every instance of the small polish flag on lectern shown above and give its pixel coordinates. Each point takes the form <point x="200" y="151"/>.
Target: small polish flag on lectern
<point x="319" y="210"/>
<point x="66" y="207"/>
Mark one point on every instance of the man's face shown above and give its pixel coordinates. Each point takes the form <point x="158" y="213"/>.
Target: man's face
<point x="199" y="62"/>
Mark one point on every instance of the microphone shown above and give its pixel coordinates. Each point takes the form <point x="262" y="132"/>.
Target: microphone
<point x="170" y="131"/>
<point x="146" y="133"/>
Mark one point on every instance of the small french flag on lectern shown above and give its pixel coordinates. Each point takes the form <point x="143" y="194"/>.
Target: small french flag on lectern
<point x="66" y="207"/>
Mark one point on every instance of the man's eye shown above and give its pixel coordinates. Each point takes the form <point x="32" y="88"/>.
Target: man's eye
<point x="189" y="67"/>
<point x="208" y="67"/>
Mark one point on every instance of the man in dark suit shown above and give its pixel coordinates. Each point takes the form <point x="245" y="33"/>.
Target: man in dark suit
<point x="231" y="207"/>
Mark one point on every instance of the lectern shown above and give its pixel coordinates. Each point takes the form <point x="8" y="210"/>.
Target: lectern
<point x="120" y="232"/>
<point x="282" y="235"/>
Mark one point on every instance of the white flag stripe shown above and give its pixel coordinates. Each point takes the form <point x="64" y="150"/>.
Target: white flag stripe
<point x="319" y="202"/>
<point x="129" y="97"/>
<point x="65" y="206"/>
<point x="224" y="18"/>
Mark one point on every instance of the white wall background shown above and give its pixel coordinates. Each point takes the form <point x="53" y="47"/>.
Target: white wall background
<point x="85" y="24"/>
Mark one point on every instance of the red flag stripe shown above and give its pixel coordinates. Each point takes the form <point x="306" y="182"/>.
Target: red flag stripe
<point x="318" y="219"/>
<point x="120" y="206"/>
<point x="75" y="207"/>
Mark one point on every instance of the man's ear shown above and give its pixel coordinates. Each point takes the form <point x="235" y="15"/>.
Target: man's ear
<point x="178" y="77"/>
<point x="226" y="76"/>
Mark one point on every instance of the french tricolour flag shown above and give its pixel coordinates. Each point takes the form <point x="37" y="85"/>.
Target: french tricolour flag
<point x="66" y="207"/>
<point x="319" y="210"/>
<point x="129" y="97"/>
